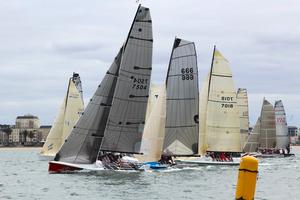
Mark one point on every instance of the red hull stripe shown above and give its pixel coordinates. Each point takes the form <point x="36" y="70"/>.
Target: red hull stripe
<point x="59" y="168"/>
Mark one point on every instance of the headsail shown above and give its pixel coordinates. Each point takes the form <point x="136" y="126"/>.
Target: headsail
<point x="83" y="144"/>
<point x="242" y="99"/>
<point x="267" y="136"/>
<point x="68" y="115"/>
<point x="154" y="131"/>
<point x="222" y="123"/>
<point x="252" y="142"/>
<point x="125" y="125"/>
<point x="182" y="130"/>
<point x="202" y="116"/>
<point x="282" y="137"/>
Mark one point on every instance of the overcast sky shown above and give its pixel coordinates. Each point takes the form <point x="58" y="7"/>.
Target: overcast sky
<point x="43" y="42"/>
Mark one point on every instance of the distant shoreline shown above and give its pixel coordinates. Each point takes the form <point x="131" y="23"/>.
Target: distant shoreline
<point x="18" y="148"/>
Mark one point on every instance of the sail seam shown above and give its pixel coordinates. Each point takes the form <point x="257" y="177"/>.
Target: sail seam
<point x="222" y="101"/>
<point x="227" y="76"/>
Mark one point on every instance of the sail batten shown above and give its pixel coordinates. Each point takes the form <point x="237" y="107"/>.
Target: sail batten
<point x="181" y="128"/>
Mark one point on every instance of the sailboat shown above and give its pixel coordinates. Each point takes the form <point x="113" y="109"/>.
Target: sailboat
<point x="111" y="127"/>
<point x="219" y="132"/>
<point x="68" y="114"/>
<point x="242" y="100"/>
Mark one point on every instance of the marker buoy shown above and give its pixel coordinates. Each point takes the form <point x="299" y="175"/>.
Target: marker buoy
<point x="246" y="183"/>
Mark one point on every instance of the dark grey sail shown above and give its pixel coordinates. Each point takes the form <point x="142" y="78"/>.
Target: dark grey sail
<point x="126" y="119"/>
<point x="83" y="144"/>
<point x="182" y="129"/>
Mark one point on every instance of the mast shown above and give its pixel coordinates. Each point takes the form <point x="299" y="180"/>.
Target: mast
<point x="210" y="73"/>
<point x="125" y="124"/>
<point x="182" y="116"/>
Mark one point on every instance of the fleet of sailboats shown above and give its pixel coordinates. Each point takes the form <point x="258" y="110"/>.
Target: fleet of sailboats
<point x="127" y="125"/>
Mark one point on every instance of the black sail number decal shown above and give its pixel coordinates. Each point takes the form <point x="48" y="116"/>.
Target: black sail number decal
<point x="139" y="83"/>
<point x="227" y="104"/>
<point x="187" y="74"/>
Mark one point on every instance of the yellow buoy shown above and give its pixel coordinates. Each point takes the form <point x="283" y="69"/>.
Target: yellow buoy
<point x="246" y="183"/>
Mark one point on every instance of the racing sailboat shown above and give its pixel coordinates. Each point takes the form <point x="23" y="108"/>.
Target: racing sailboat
<point x="219" y="133"/>
<point x="68" y="114"/>
<point x="111" y="128"/>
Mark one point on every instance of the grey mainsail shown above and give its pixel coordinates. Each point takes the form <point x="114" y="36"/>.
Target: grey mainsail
<point x="182" y="116"/>
<point x="125" y="124"/>
<point x="267" y="136"/>
<point x="83" y="144"/>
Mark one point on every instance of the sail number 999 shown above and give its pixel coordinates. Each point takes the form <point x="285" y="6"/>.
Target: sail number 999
<point x="187" y="74"/>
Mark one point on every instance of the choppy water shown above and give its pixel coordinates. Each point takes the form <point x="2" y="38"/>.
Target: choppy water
<point x="24" y="176"/>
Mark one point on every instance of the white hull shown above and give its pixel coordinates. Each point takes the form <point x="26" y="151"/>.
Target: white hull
<point x="207" y="161"/>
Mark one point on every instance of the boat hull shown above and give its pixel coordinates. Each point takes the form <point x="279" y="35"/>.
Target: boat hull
<point x="62" y="167"/>
<point x="204" y="162"/>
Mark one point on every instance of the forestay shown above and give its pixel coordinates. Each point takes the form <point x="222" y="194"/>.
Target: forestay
<point x="125" y="125"/>
<point x="182" y="116"/>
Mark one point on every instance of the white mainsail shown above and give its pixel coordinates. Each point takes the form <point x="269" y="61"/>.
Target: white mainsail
<point x="222" y="130"/>
<point x="67" y="116"/>
<point x="154" y="130"/>
<point x="242" y="99"/>
<point x="267" y="136"/>
<point x="282" y="138"/>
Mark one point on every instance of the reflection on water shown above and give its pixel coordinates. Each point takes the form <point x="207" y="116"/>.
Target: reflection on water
<point x="24" y="176"/>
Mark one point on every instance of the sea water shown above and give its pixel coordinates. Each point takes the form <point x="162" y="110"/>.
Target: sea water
<point x="24" y="176"/>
